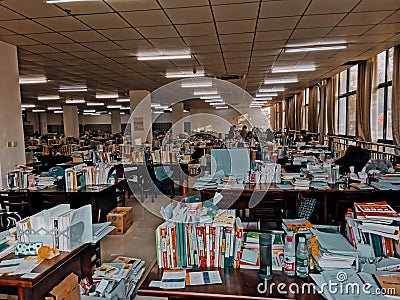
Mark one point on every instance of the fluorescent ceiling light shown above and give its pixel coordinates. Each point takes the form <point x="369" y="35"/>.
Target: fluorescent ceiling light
<point x="288" y="70"/>
<point x="75" y="101"/>
<point x="80" y="88"/>
<point x="121" y="113"/>
<point x="218" y="104"/>
<point x="316" y="48"/>
<point x="260" y="102"/>
<point x="184" y="74"/>
<point x="114" y="106"/>
<point x="27" y="105"/>
<point x="38" y="110"/>
<point x="164" y="57"/>
<point x="213" y="100"/>
<point x="95" y="103"/>
<point x="58" y="111"/>
<point x="89" y="110"/>
<point x="278" y="81"/>
<point x="271" y="90"/>
<point x="22" y="108"/>
<point x="205" y="92"/>
<point x="106" y="96"/>
<point x="266" y="95"/>
<point x="210" y="97"/>
<point x="221" y="107"/>
<point x="66" y="1"/>
<point x="123" y="100"/>
<point x="160" y="107"/>
<point x="155" y="104"/>
<point x="125" y="108"/>
<point x="53" y="97"/>
<point x="185" y="111"/>
<point x="30" y="80"/>
<point x="54" y="108"/>
<point x="262" y="99"/>
<point x="197" y="84"/>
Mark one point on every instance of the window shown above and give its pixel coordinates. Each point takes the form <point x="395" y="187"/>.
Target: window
<point x="346" y="108"/>
<point x="305" y="109"/>
<point x="381" y="116"/>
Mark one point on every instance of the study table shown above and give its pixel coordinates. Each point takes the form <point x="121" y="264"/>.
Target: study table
<point x="236" y="284"/>
<point x="51" y="272"/>
<point x="331" y="203"/>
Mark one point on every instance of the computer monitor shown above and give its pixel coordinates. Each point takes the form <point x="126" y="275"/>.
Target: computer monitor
<point x="230" y="161"/>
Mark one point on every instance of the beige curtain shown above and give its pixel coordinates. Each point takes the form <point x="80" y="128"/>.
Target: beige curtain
<point x="331" y="87"/>
<point x="272" y="113"/>
<point x="291" y="113"/>
<point x="363" y="102"/>
<point x="280" y="115"/>
<point x="313" y="109"/>
<point x="299" y="101"/>
<point x="396" y="98"/>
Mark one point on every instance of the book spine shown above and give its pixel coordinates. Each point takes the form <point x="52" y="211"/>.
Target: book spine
<point x="207" y="250"/>
<point x="200" y="243"/>
<point x="228" y="234"/>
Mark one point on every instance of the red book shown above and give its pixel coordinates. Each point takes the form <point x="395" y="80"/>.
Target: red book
<point x="375" y="210"/>
<point x="163" y="234"/>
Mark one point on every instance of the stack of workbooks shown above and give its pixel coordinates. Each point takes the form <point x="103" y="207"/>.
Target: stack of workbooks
<point x="193" y="237"/>
<point x="374" y="226"/>
<point x="296" y="225"/>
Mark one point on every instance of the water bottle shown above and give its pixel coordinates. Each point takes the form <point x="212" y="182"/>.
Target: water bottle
<point x="289" y="256"/>
<point x="302" y="258"/>
<point x="265" y="243"/>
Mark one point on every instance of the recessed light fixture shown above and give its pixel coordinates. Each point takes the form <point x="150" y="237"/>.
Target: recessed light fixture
<point x="106" y="96"/>
<point x="32" y="80"/>
<point x="205" y="92"/>
<point x="278" y="81"/>
<point x="89" y="110"/>
<point x="210" y="97"/>
<point x="217" y="104"/>
<point x="266" y="95"/>
<point x="214" y="100"/>
<point x="27" y="105"/>
<point x="184" y="74"/>
<point x="95" y="104"/>
<point x="80" y="88"/>
<point x="53" y="97"/>
<point x="121" y="113"/>
<point x="316" y="48"/>
<point x="196" y="83"/>
<point x="164" y="57"/>
<point x="125" y="108"/>
<point x="75" y="101"/>
<point x="155" y="104"/>
<point x="54" y="108"/>
<point x="271" y="90"/>
<point x="114" y="106"/>
<point x="58" y="111"/>
<point x="38" y="110"/>
<point x="293" y="69"/>
<point x="161" y="107"/>
<point x="121" y="100"/>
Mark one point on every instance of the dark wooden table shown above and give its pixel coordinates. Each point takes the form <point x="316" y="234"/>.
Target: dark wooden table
<point x="52" y="272"/>
<point x="236" y="284"/>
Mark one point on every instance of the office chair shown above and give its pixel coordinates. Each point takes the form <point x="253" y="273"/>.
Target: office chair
<point x="17" y="203"/>
<point x="50" y="201"/>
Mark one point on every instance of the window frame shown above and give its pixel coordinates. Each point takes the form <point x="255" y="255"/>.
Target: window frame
<point x="345" y="95"/>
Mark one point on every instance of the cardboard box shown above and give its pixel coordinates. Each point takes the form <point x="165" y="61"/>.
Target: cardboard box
<point x="121" y="218"/>
<point x="68" y="289"/>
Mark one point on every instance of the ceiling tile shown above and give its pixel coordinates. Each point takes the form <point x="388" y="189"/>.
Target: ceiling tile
<point x="116" y="53"/>
<point x="85" y="36"/>
<point x="374" y="5"/>
<point x="349" y="30"/>
<point x="168" y="43"/>
<point x="268" y="47"/>
<point x="4" y="31"/>
<point x="236" y="26"/>
<point x="394" y="18"/>
<point x="49" y="38"/>
<point x="190" y="15"/>
<point x="23" y="26"/>
<point x="158" y="32"/>
<point x="59" y="56"/>
<point x="121" y="34"/>
<point x="86" y="54"/>
<point x="104" y="21"/>
<point x="330" y="6"/>
<point x="182" y="3"/>
<point x="18" y="40"/>
<point x="270" y="9"/>
<point x="320" y="20"/>
<point x="365" y="18"/>
<point x="6" y="14"/>
<point x="134" y="45"/>
<point x="201" y="40"/>
<point x="62" y="23"/>
<point x="275" y="35"/>
<point x="36" y="10"/>
<point x="126" y="5"/>
<point x="86" y="7"/>
<point x="146" y="18"/>
<point x="235" y="11"/>
<point x="310" y="33"/>
<point x="196" y="29"/>
<point x="236" y="38"/>
<point x="237" y="47"/>
<point x="277" y="23"/>
<point x="40" y="49"/>
<point x="205" y="49"/>
<point x="236" y="54"/>
<point x="385" y="28"/>
<point x="101" y="45"/>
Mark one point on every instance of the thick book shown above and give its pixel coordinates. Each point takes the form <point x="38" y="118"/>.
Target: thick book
<point x="375" y="210"/>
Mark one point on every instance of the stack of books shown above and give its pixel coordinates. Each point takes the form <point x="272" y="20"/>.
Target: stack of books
<point x="301" y="183"/>
<point x="193" y="238"/>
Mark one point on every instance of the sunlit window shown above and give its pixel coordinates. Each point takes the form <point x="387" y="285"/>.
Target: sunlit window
<point x="346" y="108"/>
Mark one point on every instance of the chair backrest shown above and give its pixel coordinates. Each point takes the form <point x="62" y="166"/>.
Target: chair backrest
<point x="17" y="203"/>
<point x="49" y="200"/>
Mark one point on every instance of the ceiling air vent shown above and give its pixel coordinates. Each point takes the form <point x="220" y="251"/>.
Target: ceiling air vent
<point x="230" y="76"/>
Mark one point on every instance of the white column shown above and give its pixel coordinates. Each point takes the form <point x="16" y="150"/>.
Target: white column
<point x="178" y="117"/>
<point x="140" y="114"/>
<point x="12" y="148"/>
<point x="70" y="120"/>
<point x="43" y="123"/>
<point x="115" y="121"/>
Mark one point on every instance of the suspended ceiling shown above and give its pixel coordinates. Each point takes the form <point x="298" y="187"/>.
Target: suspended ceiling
<point x="96" y="42"/>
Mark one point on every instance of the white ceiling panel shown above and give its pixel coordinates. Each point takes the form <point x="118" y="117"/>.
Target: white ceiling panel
<point x="196" y="29"/>
<point x="271" y="9"/>
<point x="331" y="6"/>
<point x="85" y="7"/>
<point x="158" y="32"/>
<point x="62" y="23"/>
<point x="231" y="27"/>
<point x="146" y="18"/>
<point x="236" y="38"/>
<point x="134" y="45"/>
<point x="236" y="12"/>
<point x="135" y="5"/>
<point x="24" y="26"/>
<point x="364" y="18"/>
<point x="201" y="40"/>
<point x="314" y="32"/>
<point x="85" y="36"/>
<point x="393" y="18"/>
<point x="385" y="28"/>
<point x="34" y="10"/>
<point x="120" y="34"/>
<point x="7" y="14"/>
<point x="320" y="20"/>
<point x="182" y="3"/>
<point x="101" y="46"/>
<point x="190" y="15"/>
<point x="104" y="21"/>
<point x="50" y="38"/>
<point x="276" y="35"/>
<point x="18" y="40"/>
<point x="277" y="23"/>
<point x="374" y="5"/>
<point x="349" y="30"/>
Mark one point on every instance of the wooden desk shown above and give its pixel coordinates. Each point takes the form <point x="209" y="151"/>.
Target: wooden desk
<point x="51" y="272"/>
<point x="236" y="284"/>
